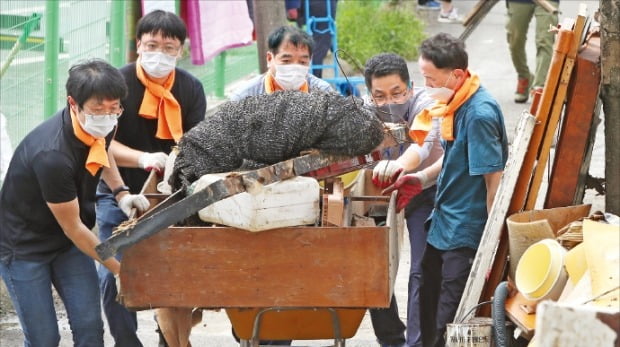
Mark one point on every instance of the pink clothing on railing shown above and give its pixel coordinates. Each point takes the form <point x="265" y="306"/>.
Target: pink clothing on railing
<point x="215" y="26"/>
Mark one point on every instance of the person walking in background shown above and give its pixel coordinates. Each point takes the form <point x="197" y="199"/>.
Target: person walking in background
<point x="162" y="103"/>
<point x="391" y="90"/>
<point x="429" y="5"/>
<point x="520" y="13"/>
<point x="448" y="13"/>
<point x="476" y="149"/>
<point x="296" y="10"/>
<point x="47" y="209"/>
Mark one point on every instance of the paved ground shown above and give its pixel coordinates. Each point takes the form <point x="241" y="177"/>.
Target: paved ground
<point x="490" y="58"/>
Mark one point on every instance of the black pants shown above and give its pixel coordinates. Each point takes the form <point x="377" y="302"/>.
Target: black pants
<point x="444" y="275"/>
<point x="388" y="327"/>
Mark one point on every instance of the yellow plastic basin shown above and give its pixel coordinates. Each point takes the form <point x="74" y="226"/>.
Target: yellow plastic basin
<point x="540" y="272"/>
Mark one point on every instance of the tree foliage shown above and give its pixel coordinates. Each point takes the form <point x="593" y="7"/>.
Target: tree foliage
<point x="366" y="28"/>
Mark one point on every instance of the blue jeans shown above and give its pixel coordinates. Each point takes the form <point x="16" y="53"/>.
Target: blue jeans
<point x="416" y="213"/>
<point x="74" y="276"/>
<point x="123" y="323"/>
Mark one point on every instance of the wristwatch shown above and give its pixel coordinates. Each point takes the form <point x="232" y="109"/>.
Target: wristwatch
<point x="122" y="188"/>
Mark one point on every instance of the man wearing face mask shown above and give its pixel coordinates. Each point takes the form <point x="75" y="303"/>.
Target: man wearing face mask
<point x="47" y="209"/>
<point x="387" y="79"/>
<point x="288" y="60"/>
<point x="162" y="103"/>
<point x="476" y="149"/>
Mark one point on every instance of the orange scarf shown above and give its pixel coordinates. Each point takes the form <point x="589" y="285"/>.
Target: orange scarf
<point x="97" y="156"/>
<point x="272" y="86"/>
<point x="159" y="103"/>
<point x="422" y="123"/>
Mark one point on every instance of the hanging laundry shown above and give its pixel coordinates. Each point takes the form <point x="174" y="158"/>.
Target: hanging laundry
<point x="215" y="26"/>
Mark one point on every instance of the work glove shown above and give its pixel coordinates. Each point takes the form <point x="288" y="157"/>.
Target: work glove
<point x="153" y="161"/>
<point x="386" y="172"/>
<point x="408" y="186"/>
<point x="128" y="201"/>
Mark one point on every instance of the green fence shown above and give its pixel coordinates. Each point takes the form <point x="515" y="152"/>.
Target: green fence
<point x="32" y="87"/>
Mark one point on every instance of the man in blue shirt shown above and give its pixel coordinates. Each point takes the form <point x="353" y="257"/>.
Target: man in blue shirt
<point x="476" y="149"/>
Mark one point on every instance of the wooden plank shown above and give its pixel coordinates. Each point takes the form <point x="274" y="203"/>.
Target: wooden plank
<point x="555" y="112"/>
<point x="576" y="135"/>
<point x="396" y="224"/>
<point x="288" y="267"/>
<point x="542" y="117"/>
<point x="333" y="205"/>
<point x="485" y="255"/>
<point x="517" y="313"/>
<point x="475" y="16"/>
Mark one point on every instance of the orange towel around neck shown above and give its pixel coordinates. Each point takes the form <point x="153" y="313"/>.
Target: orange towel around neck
<point x="97" y="156"/>
<point x="272" y="86"/>
<point x="422" y="123"/>
<point x="159" y="103"/>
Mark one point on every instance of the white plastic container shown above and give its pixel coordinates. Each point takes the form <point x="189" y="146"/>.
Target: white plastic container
<point x="287" y="203"/>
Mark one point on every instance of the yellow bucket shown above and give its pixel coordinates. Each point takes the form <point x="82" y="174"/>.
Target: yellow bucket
<point x="540" y="272"/>
<point x="349" y="179"/>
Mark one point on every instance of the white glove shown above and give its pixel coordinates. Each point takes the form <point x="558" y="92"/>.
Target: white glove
<point x="153" y="161"/>
<point x="423" y="177"/>
<point x="140" y="202"/>
<point x="386" y="172"/>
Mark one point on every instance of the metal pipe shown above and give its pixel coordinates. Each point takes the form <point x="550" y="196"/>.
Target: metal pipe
<point x="220" y="69"/>
<point x="117" y="34"/>
<point x="51" y="50"/>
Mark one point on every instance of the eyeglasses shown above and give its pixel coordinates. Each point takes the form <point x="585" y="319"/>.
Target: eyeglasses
<point x="167" y="49"/>
<point x="115" y="113"/>
<point x="396" y="98"/>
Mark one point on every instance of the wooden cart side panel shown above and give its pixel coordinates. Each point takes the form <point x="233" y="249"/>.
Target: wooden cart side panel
<point x="289" y="267"/>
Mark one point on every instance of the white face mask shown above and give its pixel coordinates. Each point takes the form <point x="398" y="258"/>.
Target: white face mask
<point x="291" y="76"/>
<point x="442" y="94"/>
<point x="157" y="64"/>
<point x="99" y="126"/>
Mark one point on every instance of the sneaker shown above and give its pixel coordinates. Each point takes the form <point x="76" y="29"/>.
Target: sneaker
<point x="450" y="17"/>
<point x="430" y="5"/>
<point x="523" y="90"/>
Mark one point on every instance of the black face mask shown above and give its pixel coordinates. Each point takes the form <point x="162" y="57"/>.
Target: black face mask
<point x="394" y="113"/>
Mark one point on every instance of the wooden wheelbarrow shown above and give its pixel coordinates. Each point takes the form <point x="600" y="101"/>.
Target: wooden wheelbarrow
<point x="298" y="283"/>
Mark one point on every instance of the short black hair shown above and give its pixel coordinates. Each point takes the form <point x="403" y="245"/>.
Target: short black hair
<point x="445" y="51"/>
<point x="165" y="23"/>
<point x="291" y="34"/>
<point x="95" y="78"/>
<point x="385" y="64"/>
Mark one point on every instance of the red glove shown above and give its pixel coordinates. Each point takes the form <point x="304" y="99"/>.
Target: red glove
<point x="408" y="186"/>
<point x="386" y="172"/>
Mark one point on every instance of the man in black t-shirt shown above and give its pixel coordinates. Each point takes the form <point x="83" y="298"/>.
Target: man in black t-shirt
<point x="47" y="208"/>
<point x="162" y="103"/>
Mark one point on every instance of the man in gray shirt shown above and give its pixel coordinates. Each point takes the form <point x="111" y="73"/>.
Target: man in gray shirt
<point x="288" y="60"/>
